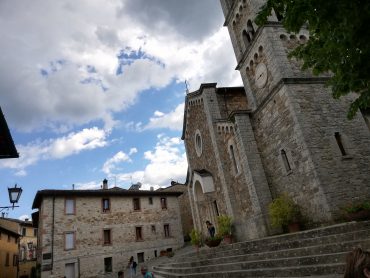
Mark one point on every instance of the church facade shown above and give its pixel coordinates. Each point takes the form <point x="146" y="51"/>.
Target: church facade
<point x="280" y="133"/>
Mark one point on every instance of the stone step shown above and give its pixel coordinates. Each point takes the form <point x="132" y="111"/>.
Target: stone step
<point x="323" y="270"/>
<point x="316" y="253"/>
<point x="259" y="264"/>
<point x="242" y="249"/>
<point x="284" y="253"/>
<point x="333" y="230"/>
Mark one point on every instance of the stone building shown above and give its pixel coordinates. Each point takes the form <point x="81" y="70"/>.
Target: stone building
<point x="27" y="244"/>
<point x="281" y="132"/>
<point x="8" y="252"/>
<point x="93" y="233"/>
<point x="185" y="211"/>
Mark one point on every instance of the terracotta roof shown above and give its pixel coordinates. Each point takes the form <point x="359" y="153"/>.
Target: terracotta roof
<point x="98" y="192"/>
<point x="6" y="230"/>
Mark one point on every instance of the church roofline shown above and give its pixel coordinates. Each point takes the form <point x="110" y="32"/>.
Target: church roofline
<point x="220" y="90"/>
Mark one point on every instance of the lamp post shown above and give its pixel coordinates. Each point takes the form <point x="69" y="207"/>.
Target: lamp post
<point x="14" y="195"/>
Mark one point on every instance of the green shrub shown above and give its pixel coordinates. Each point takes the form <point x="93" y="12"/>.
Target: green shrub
<point x="224" y="225"/>
<point x="355" y="207"/>
<point x="195" y="237"/>
<point x="283" y="211"/>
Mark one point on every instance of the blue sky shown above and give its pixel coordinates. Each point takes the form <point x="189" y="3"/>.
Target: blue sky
<point x="95" y="89"/>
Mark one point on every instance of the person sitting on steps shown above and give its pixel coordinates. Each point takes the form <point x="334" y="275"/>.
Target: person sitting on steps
<point x="357" y="264"/>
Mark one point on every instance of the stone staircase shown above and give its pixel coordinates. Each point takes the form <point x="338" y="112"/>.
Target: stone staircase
<point x="317" y="253"/>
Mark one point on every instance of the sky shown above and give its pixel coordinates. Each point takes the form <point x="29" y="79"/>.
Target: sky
<point x="94" y="89"/>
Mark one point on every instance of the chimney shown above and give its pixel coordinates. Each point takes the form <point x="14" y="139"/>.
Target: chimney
<point x="26" y="219"/>
<point x="151" y="188"/>
<point x="105" y="184"/>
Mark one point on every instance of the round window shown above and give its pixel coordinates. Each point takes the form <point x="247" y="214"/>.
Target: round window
<point x="198" y="143"/>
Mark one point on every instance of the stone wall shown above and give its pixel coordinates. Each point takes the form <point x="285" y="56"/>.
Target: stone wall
<point x="184" y="205"/>
<point x="88" y="224"/>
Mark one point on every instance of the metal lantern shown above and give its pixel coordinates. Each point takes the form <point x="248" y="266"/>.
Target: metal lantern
<point x="14" y="194"/>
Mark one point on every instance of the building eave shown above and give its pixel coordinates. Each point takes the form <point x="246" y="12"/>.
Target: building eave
<point x="97" y="193"/>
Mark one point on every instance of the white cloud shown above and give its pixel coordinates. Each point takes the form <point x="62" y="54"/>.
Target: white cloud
<point x="73" y="143"/>
<point x="76" y="46"/>
<point x="112" y="163"/>
<point x="166" y="162"/>
<point x="173" y="120"/>
<point x="24" y="217"/>
<point x="88" y="185"/>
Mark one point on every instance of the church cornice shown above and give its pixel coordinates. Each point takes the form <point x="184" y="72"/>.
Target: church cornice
<point x="290" y="81"/>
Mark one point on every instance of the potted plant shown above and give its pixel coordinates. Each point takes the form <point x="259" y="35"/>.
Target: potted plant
<point x="284" y="212"/>
<point x="195" y="238"/>
<point x="225" y="227"/>
<point x="358" y="211"/>
<point x="213" y="241"/>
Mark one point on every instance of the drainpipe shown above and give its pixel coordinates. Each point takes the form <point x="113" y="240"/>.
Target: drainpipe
<point x="52" y="237"/>
<point x="78" y="265"/>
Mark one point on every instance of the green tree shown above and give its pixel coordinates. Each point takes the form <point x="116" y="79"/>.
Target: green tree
<point x="339" y="42"/>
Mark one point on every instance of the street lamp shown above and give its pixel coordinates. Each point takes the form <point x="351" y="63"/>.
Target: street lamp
<point x="14" y="195"/>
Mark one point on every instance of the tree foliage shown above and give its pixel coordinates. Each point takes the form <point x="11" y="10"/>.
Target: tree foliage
<point x="339" y="42"/>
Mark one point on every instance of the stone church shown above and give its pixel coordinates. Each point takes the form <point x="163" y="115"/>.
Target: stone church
<point x="281" y="132"/>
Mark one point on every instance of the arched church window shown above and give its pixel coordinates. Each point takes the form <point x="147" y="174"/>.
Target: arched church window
<point x="250" y="29"/>
<point x="285" y="160"/>
<point x="246" y="38"/>
<point x="279" y="16"/>
<point x="198" y="143"/>
<point x="233" y="159"/>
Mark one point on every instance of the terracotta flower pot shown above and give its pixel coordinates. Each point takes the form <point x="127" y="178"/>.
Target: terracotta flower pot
<point x="360" y="215"/>
<point x="228" y="239"/>
<point x="294" y="227"/>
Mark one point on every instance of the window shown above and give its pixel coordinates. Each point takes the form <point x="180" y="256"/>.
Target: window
<point x="108" y="264"/>
<point x="69" y="240"/>
<point x="285" y="161"/>
<point x="150" y="201"/>
<point x="15" y="240"/>
<point x="216" y="208"/>
<point x="278" y="15"/>
<point x="232" y="154"/>
<point x="9" y="238"/>
<point x="164" y="203"/>
<point x="166" y="230"/>
<point x="35" y="232"/>
<point x="338" y="138"/>
<point x="198" y="143"/>
<point x="155" y="253"/>
<point x="250" y="29"/>
<point x="24" y="231"/>
<point x="140" y="257"/>
<point x="246" y="38"/>
<point x="139" y="235"/>
<point x="15" y="260"/>
<point x="106" y="205"/>
<point x="7" y="259"/>
<point x="70" y="206"/>
<point x="136" y="203"/>
<point x="107" y="237"/>
<point x="23" y="253"/>
<point x="153" y="229"/>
